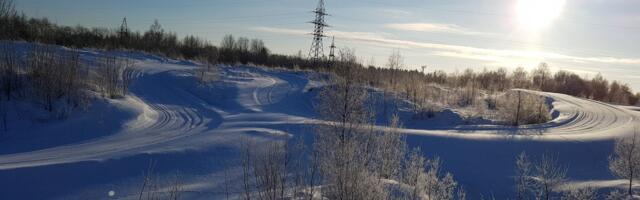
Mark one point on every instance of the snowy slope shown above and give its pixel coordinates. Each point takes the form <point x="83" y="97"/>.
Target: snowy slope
<point x="195" y="130"/>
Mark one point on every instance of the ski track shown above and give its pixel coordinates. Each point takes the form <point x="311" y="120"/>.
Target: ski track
<point x="174" y="115"/>
<point x="579" y="120"/>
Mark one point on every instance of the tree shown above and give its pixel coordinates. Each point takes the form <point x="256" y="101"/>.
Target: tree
<point x="344" y="147"/>
<point x="523" y="178"/>
<point x="548" y="175"/>
<point x="7" y="8"/>
<point x="154" y="37"/>
<point x="519" y="78"/>
<point x="242" y="44"/>
<point x="390" y="150"/>
<point x="356" y="160"/>
<point x="615" y="92"/>
<point x="7" y="14"/>
<point x="55" y="75"/>
<point x="259" y="52"/>
<point x="625" y="161"/>
<point x="228" y="42"/>
<point x="541" y="77"/>
<point x="395" y="63"/>
<point x="9" y="68"/>
<point x="413" y="173"/>
<point x="113" y="76"/>
<point x="600" y="87"/>
<point x="438" y="185"/>
<point x="569" y="83"/>
<point x="627" y="97"/>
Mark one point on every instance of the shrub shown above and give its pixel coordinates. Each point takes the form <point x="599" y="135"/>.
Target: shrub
<point x="519" y="107"/>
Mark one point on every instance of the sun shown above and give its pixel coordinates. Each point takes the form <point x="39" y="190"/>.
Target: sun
<point x="534" y="15"/>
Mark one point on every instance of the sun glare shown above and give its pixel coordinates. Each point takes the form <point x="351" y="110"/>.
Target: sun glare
<point x="534" y="15"/>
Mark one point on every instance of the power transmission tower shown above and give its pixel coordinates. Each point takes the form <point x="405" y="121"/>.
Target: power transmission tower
<point x="124" y="28"/>
<point x="123" y="34"/>
<point x="316" y="52"/>
<point x="332" y="55"/>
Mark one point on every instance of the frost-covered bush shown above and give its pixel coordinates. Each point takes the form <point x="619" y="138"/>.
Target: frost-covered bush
<point x="588" y="193"/>
<point x="519" y="107"/>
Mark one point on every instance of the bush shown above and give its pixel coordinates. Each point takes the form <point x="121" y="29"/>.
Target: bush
<point x="112" y="76"/>
<point x="9" y="71"/>
<point x="519" y="107"/>
<point x="56" y="75"/>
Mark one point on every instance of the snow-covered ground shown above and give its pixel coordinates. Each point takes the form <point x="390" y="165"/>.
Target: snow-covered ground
<point x="195" y="131"/>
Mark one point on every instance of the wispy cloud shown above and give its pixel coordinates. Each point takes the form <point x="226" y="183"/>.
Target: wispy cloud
<point x="435" y="28"/>
<point x="458" y="51"/>
<point x="395" y="13"/>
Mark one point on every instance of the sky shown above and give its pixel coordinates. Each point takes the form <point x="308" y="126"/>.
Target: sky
<point x="583" y="36"/>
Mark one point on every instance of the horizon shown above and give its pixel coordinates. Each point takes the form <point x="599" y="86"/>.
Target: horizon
<point x="586" y="37"/>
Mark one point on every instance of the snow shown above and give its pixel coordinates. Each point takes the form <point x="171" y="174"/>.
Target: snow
<point x="196" y="129"/>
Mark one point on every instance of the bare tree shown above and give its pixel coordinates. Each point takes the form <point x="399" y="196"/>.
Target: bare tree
<point x="542" y="77"/>
<point x="438" y="185"/>
<point x="242" y="44"/>
<point x="7" y="11"/>
<point x="7" y="8"/>
<point x="413" y="173"/>
<point x="344" y="147"/>
<point x="228" y="42"/>
<point x="625" y="161"/>
<point x="113" y="76"/>
<point x="391" y="147"/>
<point x="56" y="75"/>
<point x="519" y="78"/>
<point x="548" y="175"/>
<point x="9" y="69"/>
<point x="270" y="170"/>
<point x="600" y="87"/>
<point x="395" y="63"/>
<point x="523" y="178"/>
<point x="426" y="180"/>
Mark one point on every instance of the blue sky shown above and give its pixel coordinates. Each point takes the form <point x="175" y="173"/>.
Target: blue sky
<point x="584" y="36"/>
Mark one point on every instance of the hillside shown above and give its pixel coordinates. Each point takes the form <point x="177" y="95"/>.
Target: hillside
<point x="195" y="130"/>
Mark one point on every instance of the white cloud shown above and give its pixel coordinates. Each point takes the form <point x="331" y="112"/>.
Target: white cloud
<point x="436" y="28"/>
<point x="458" y="51"/>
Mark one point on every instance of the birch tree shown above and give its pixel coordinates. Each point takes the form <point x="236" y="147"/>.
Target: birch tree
<point x="625" y="161"/>
<point x="523" y="178"/>
<point x="548" y="175"/>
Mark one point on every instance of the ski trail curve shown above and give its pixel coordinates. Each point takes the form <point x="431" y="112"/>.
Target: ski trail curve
<point x="171" y="114"/>
<point x="578" y="120"/>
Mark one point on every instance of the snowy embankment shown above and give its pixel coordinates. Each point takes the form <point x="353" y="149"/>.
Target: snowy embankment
<point x="195" y="130"/>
